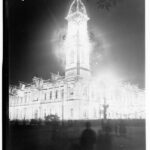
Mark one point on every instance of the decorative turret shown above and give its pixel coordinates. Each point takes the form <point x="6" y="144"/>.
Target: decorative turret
<point x="77" y="7"/>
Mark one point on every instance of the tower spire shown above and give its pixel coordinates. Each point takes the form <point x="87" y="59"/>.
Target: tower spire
<point x="77" y="45"/>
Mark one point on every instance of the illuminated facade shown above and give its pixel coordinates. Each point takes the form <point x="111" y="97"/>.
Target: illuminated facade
<point x="77" y="95"/>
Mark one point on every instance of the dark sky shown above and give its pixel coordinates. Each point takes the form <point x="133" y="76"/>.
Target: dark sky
<point x="37" y="28"/>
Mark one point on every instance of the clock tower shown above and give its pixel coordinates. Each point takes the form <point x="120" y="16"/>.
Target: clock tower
<point x="77" y="45"/>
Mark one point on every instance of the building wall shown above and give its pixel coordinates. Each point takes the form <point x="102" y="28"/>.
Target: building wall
<point x="67" y="99"/>
<point x="73" y="100"/>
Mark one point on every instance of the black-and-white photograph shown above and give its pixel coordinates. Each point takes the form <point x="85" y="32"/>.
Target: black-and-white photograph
<point x="76" y="74"/>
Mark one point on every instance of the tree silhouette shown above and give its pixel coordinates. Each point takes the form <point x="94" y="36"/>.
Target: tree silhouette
<point x="106" y="4"/>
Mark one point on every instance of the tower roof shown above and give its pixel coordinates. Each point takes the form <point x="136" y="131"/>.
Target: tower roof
<point x="77" y="6"/>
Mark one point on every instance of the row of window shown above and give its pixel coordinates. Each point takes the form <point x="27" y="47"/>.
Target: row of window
<point x="47" y="96"/>
<point x="50" y="94"/>
<point x="22" y="114"/>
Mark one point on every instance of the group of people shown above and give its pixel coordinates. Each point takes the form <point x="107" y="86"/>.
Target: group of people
<point x="90" y="141"/>
<point x="120" y="129"/>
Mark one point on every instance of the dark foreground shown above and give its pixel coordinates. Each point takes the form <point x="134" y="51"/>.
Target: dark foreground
<point x="67" y="137"/>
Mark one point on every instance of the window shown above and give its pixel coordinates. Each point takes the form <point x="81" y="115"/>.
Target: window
<point x="71" y="91"/>
<point x="25" y="113"/>
<point x="71" y="112"/>
<point x="50" y="94"/>
<point x="25" y="98"/>
<point x="35" y="96"/>
<point x="16" y="113"/>
<point x="29" y="98"/>
<point x="56" y="96"/>
<point x="17" y="100"/>
<point x="44" y="113"/>
<point x="62" y="94"/>
<point x="85" y="114"/>
<point x="45" y="96"/>
<point x="36" y="114"/>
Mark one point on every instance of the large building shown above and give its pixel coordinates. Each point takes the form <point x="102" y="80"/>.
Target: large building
<point x="77" y="95"/>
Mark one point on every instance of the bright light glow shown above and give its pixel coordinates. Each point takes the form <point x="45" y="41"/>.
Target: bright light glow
<point x="124" y="100"/>
<point x="77" y="45"/>
<point x="81" y="99"/>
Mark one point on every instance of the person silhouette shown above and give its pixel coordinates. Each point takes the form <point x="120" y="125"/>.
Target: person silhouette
<point x="104" y="140"/>
<point x="122" y="128"/>
<point x="88" y="138"/>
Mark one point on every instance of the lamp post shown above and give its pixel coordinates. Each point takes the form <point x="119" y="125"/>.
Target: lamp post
<point x="62" y="106"/>
<point x="105" y="107"/>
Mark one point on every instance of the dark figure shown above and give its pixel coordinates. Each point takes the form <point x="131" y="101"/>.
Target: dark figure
<point x="88" y="138"/>
<point x="100" y="141"/>
<point x="104" y="141"/>
<point x="122" y="128"/>
<point x="108" y="127"/>
<point x="103" y="124"/>
<point x="54" y="131"/>
<point x="116" y="127"/>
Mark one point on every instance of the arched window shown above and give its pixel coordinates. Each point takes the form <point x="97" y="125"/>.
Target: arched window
<point x="50" y="94"/>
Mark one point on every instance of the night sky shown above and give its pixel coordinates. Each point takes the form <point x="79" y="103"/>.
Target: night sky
<point x="37" y="31"/>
